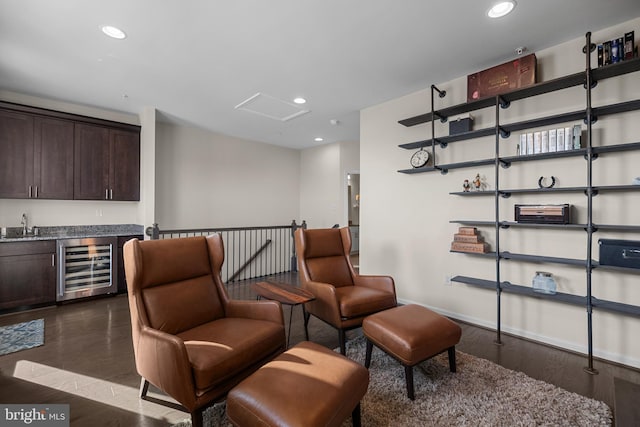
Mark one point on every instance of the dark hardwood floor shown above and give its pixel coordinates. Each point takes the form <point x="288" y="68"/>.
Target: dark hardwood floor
<point x="87" y="362"/>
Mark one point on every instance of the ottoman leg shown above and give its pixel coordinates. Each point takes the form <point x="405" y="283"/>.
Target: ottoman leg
<point x="452" y="358"/>
<point x="343" y="342"/>
<point x="355" y="416"/>
<point x="367" y="357"/>
<point x="408" y="373"/>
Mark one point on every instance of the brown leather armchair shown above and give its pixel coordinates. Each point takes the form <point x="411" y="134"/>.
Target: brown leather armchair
<point x="343" y="297"/>
<point x="190" y="340"/>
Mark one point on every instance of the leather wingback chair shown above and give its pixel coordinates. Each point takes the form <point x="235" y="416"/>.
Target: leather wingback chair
<point x="190" y="340"/>
<point x="343" y="297"/>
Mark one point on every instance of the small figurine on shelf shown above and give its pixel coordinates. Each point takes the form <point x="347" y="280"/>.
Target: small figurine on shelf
<point x="477" y="182"/>
<point x="483" y="183"/>
<point x="466" y="185"/>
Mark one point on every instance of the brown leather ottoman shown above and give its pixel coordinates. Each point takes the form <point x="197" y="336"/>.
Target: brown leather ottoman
<point x="307" y="385"/>
<point x="411" y="334"/>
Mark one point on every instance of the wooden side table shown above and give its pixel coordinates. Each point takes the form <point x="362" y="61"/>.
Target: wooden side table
<point x="285" y="294"/>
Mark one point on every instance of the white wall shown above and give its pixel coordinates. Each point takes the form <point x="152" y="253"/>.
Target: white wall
<point x="74" y="212"/>
<point x="323" y="183"/>
<point x="405" y="218"/>
<point x="204" y="179"/>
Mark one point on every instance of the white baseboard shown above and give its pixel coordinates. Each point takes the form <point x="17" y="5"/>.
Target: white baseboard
<point x="567" y="345"/>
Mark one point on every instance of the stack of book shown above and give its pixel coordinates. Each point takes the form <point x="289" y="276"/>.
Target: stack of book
<point x="550" y="140"/>
<point x="616" y="50"/>
<point x="467" y="239"/>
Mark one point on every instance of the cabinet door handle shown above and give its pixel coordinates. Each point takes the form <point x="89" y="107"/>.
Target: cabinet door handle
<point x="53" y="260"/>
<point x="106" y="194"/>
<point x="111" y="194"/>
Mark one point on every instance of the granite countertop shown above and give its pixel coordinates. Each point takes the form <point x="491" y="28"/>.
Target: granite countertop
<point x="14" y="234"/>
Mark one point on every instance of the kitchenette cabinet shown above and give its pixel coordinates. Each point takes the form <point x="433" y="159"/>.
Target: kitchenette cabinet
<point x="47" y="154"/>
<point x="106" y="163"/>
<point x="27" y="274"/>
<point x="37" y="156"/>
<point x="63" y="263"/>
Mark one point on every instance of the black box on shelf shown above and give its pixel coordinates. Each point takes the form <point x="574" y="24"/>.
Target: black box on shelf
<point x="620" y="253"/>
<point x="543" y="214"/>
<point x="460" y="125"/>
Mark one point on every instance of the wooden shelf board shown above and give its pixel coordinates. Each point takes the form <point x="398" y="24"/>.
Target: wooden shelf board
<point x="473" y="193"/>
<point x="616" y="268"/>
<point x="543" y="259"/>
<point x="522" y="290"/>
<point x="473" y="223"/>
<point x="577" y="300"/>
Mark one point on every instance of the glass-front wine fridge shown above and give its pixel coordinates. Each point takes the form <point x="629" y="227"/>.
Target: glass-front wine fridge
<point x="86" y="267"/>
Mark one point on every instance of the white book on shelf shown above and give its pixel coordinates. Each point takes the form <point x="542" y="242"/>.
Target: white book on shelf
<point x="530" y="143"/>
<point x="552" y="140"/>
<point x="560" y="140"/>
<point x="545" y="141"/>
<point x="537" y="142"/>
<point x="577" y="133"/>
<point x="522" y="148"/>
<point x="568" y="138"/>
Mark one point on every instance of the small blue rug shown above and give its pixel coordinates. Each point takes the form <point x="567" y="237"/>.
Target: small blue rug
<point x="21" y="336"/>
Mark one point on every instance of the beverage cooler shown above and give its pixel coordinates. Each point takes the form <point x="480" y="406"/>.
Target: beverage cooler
<point x="86" y="267"/>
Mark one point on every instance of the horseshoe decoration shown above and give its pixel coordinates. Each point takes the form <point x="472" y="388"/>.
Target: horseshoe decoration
<point x="541" y="182"/>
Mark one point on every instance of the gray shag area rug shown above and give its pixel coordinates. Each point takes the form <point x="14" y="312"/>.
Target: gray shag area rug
<point x="480" y="393"/>
<point x="21" y="336"/>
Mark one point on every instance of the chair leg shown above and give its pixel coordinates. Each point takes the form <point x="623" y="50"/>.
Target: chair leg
<point x="306" y="316"/>
<point x="408" y="373"/>
<point x="452" y="358"/>
<point x="144" y="388"/>
<point x="196" y="418"/>
<point x="367" y="357"/>
<point x="355" y="416"/>
<point x="343" y="342"/>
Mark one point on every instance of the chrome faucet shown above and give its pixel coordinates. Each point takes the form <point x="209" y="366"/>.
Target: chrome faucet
<point x="24" y="223"/>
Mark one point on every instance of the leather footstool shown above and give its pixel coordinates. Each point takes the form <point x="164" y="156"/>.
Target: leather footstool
<point x="307" y="385"/>
<point x="411" y="334"/>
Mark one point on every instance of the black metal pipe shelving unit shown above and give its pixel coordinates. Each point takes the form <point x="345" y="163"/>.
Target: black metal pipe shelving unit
<point x="588" y="79"/>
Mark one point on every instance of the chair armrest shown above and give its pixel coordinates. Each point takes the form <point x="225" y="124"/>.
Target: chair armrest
<point x="258" y="310"/>
<point x="325" y="306"/>
<point x="162" y="360"/>
<point x="381" y="283"/>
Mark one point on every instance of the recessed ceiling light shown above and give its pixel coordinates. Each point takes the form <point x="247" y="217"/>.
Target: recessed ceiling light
<point x="501" y="9"/>
<point x="300" y="101"/>
<point x="114" y="32"/>
<point x="318" y="139"/>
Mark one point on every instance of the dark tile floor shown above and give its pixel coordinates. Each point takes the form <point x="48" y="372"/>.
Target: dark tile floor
<point x="87" y="362"/>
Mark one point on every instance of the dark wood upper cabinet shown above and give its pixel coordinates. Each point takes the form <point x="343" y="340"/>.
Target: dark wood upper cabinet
<point x="107" y="163"/>
<point x="16" y="154"/>
<point x="36" y="156"/>
<point x="124" y="170"/>
<point x="47" y="154"/>
<point x="91" y="162"/>
<point x="53" y="159"/>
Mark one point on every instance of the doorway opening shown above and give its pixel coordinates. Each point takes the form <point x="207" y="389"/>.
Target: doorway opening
<point x="353" y="214"/>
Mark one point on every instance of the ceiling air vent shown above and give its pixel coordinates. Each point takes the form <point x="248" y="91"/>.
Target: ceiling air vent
<point x="271" y="107"/>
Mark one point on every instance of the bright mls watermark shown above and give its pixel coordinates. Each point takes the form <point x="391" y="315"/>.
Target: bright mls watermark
<point x="34" y="415"/>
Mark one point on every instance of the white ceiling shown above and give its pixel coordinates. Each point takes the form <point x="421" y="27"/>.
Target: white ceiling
<point x="195" y="60"/>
